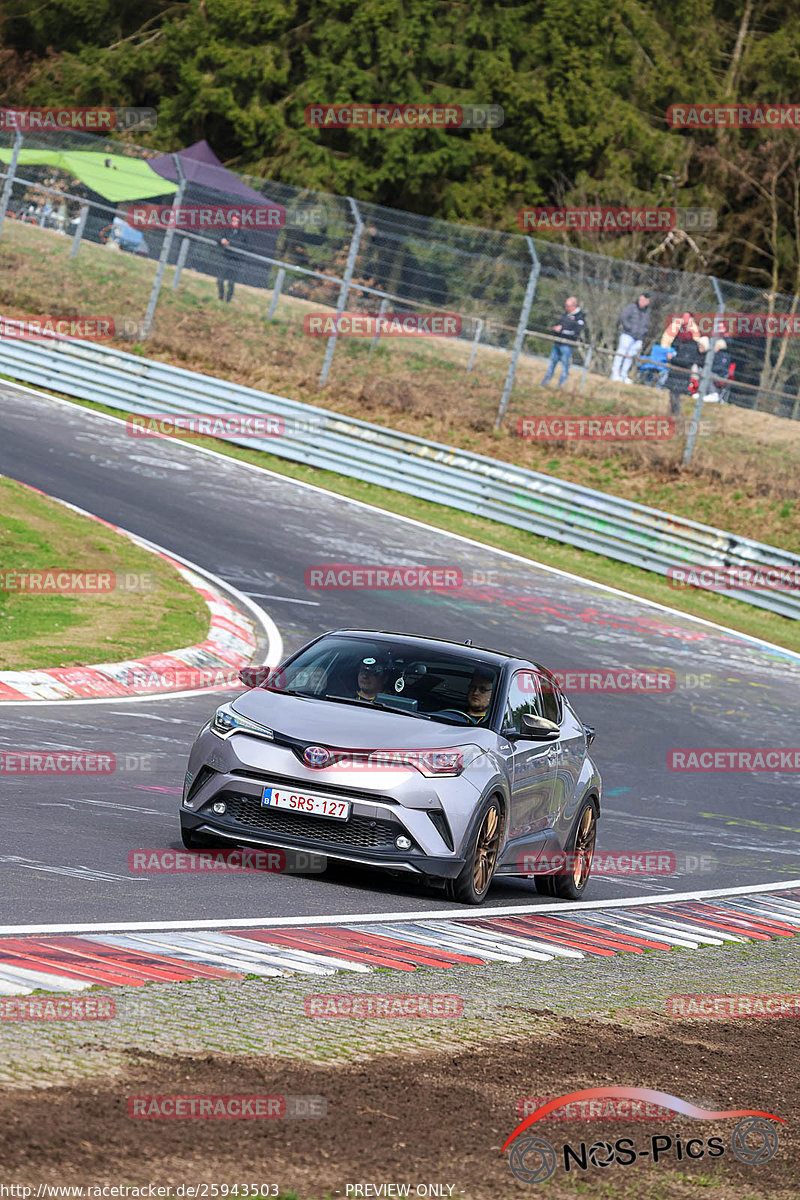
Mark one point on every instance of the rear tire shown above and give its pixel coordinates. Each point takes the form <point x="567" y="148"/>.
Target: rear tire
<point x="474" y="880"/>
<point x="581" y="845"/>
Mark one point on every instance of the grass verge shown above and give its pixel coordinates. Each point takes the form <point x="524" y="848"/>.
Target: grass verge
<point x="145" y="607"/>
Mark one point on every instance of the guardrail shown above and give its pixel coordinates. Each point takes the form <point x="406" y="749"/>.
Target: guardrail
<point x="511" y="495"/>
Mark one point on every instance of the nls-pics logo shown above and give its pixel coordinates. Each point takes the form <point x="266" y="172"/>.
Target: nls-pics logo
<point x="534" y="1160"/>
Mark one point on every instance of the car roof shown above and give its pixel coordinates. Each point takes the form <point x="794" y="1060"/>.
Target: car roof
<point x="496" y="657"/>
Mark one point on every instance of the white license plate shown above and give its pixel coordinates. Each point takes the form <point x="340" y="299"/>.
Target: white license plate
<point x="304" y="802"/>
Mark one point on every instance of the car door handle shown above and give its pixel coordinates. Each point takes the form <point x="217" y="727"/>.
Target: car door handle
<point x="552" y="753"/>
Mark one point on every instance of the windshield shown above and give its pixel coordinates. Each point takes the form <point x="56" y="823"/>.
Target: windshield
<point x="433" y="684"/>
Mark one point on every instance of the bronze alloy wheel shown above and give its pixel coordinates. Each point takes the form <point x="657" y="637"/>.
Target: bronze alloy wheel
<point x="486" y="849"/>
<point x="585" y="838"/>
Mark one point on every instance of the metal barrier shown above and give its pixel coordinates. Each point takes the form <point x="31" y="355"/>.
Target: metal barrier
<point x="511" y="495"/>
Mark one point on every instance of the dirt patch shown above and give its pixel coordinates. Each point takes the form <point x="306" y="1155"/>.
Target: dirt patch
<point x="427" y="1118"/>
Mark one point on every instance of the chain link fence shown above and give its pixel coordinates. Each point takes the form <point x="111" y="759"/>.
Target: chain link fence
<point x="506" y="289"/>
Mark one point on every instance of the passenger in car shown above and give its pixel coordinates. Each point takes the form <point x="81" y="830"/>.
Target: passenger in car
<point x="372" y="673"/>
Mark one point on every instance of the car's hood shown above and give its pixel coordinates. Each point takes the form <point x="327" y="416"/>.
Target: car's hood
<point x="351" y="727"/>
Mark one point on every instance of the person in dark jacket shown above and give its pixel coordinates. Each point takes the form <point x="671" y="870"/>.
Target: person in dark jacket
<point x="232" y="239"/>
<point x="720" y="369"/>
<point x="569" y="327"/>
<point x="689" y="350"/>
<point x="635" y="322"/>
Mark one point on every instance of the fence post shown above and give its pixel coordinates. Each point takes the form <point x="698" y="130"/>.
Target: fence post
<point x="343" y="290"/>
<point x="165" y="249"/>
<point x="520" y="335"/>
<point x="586" y="364"/>
<point x="276" y="291"/>
<point x="181" y="263"/>
<point x="475" y="340"/>
<point x="376" y="335"/>
<point x="705" y="379"/>
<point x="79" y="228"/>
<point x="9" y="183"/>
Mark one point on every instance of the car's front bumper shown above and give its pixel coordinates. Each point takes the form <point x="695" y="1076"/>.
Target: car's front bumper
<point x="416" y="863"/>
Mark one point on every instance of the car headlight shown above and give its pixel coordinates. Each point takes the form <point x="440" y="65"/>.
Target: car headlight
<point x="441" y="763"/>
<point x="226" y="721"/>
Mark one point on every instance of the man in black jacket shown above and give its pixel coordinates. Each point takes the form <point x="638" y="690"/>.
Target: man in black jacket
<point x="232" y="239"/>
<point x="635" y="322"/>
<point x="569" y="327"/>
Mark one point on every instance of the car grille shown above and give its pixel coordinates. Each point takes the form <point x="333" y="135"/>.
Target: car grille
<point x="364" y="832"/>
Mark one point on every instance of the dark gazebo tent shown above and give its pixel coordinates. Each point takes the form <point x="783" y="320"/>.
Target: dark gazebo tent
<point x="208" y="182"/>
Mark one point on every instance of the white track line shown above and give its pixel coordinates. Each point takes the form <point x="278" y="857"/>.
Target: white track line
<point x="447" y="914"/>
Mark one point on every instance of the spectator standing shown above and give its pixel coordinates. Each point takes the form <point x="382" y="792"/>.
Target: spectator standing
<point x="686" y="343"/>
<point x="635" y="321"/>
<point x="233" y="239"/>
<point x="569" y="327"/>
<point x="720" y="368"/>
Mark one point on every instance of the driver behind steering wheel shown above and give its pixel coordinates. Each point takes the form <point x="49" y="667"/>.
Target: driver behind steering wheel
<point x="479" y="697"/>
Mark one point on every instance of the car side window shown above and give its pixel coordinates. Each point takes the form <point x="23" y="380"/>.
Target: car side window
<point x="524" y="696"/>
<point x="551" y="700"/>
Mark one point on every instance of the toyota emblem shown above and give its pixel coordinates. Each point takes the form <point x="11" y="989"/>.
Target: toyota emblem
<point x="316" y="756"/>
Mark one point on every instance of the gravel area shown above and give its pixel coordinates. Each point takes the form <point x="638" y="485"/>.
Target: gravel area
<point x="268" y="1016"/>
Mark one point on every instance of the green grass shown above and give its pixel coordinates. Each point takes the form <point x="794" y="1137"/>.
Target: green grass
<point x="160" y="612"/>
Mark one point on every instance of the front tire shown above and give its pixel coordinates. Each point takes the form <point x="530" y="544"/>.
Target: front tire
<point x="580" y="851"/>
<point x="472" y="884"/>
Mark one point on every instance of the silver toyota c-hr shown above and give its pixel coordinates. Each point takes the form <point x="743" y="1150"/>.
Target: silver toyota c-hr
<point x="406" y="753"/>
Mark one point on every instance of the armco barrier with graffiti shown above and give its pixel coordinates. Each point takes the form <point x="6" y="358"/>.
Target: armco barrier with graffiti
<point x="540" y="504"/>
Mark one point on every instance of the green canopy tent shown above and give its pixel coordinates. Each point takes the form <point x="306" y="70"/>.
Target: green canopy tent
<point x="115" y="177"/>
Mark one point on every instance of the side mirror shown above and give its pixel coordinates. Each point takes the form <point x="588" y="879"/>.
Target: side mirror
<point x="254" y="676"/>
<point x="589" y="731"/>
<point x="538" y="729"/>
<point x="534" y="729"/>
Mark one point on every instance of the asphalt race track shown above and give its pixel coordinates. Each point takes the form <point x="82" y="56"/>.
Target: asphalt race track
<point x="65" y="843"/>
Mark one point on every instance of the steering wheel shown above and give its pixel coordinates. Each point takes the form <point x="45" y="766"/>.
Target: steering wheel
<point x="452" y="712"/>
